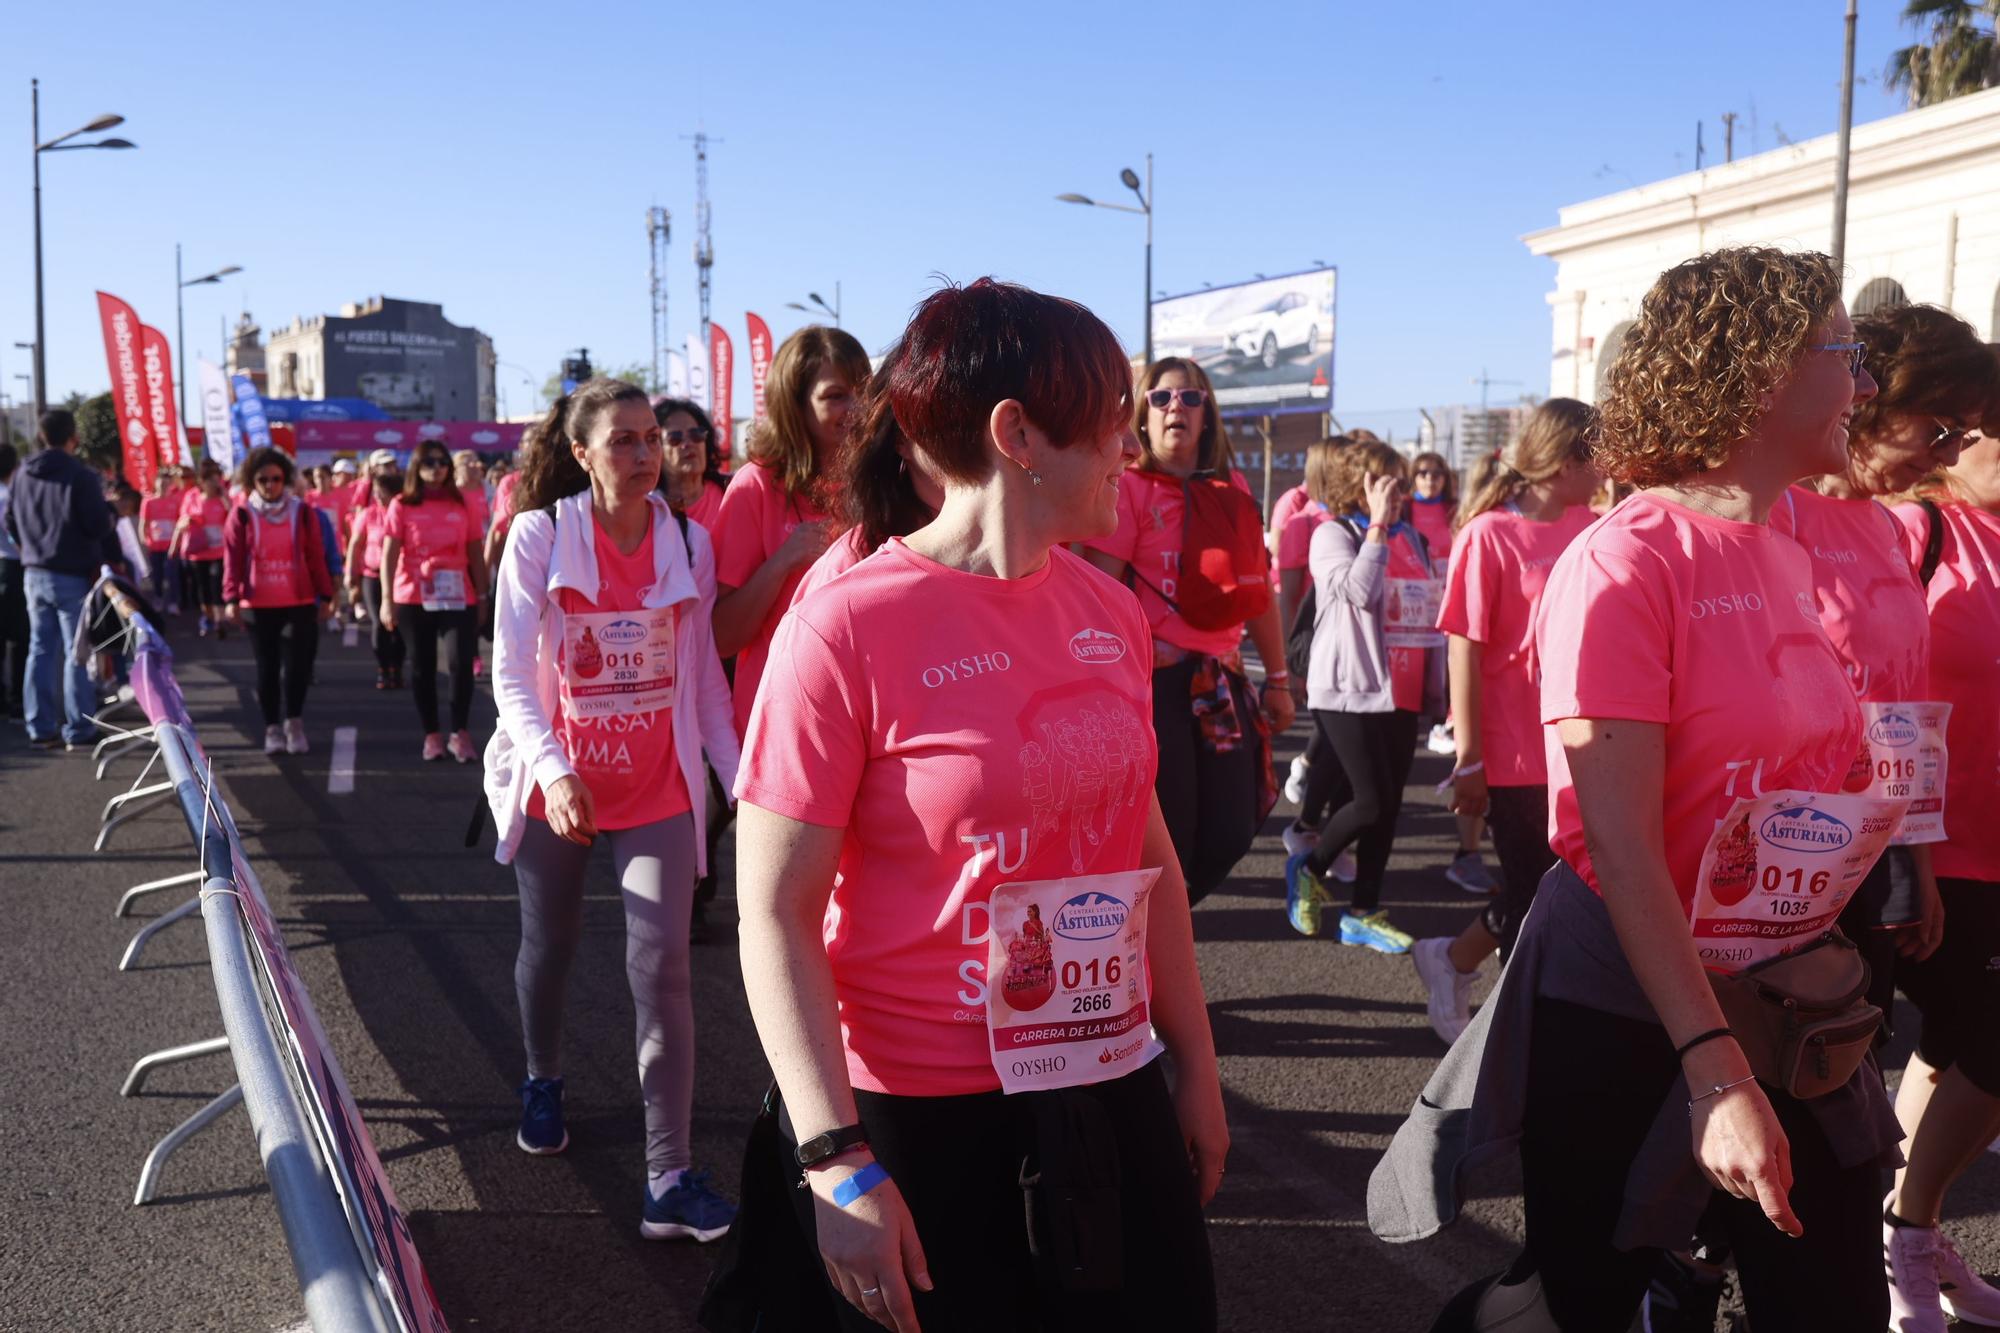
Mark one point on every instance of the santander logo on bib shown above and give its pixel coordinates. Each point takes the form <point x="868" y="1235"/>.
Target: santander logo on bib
<point x="1091" y="916"/>
<point x="1801" y="828"/>
<point x="1096" y="647"/>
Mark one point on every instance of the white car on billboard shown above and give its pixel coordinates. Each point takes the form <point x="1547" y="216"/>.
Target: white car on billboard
<point x="1284" y="322"/>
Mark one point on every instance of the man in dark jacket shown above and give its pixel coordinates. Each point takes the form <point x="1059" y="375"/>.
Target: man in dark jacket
<point x="56" y="514"/>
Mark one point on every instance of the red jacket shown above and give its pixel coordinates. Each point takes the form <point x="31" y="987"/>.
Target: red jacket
<point x="236" y="539"/>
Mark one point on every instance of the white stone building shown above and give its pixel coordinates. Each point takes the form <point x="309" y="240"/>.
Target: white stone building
<point x="1923" y="225"/>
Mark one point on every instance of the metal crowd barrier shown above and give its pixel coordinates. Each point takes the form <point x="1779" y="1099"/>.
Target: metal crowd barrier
<point x="352" y="1251"/>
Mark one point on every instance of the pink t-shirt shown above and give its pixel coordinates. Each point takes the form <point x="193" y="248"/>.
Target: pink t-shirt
<point x="1964" y="598"/>
<point x="1433" y="519"/>
<point x="628" y="762"/>
<point x="1869" y="599"/>
<point x="277" y="568"/>
<point x="1149" y="539"/>
<point x="752" y="522"/>
<point x="368" y="522"/>
<point x="503" y="501"/>
<point x="338" y="504"/>
<point x="1295" y="538"/>
<point x="1499" y="568"/>
<point x="1661" y="614"/>
<point x="157" y="514"/>
<point x="433" y="536"/>
<point x="478" y="506"/>
<point x="1292" y="503"/>
<point x="965" y="732"/>
<point x="844" y="554"/>
<point x="205" y="518"/>
<point x="708" y="508"/>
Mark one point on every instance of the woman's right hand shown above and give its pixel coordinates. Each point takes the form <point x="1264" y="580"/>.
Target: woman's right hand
<point x="807" y="542"/>
<point x="1739" y="1145"/>
<point x="1384" y="498"/>
<point x="870" y="1247"/>
<point x="572" y="813"/>
<point x="1469" y="795"/>
<point x="388" y="615"/>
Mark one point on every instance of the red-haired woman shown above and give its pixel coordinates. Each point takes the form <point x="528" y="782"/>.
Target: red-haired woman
<point x="274" y="575"/>
<point x="958" y="742"/>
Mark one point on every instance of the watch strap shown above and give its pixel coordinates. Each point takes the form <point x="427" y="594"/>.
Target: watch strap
<point x="834" y="1142"/>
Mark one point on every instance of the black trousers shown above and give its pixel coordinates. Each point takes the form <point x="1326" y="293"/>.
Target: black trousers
<point x="1595" y="1083"/>
<point x="1327" y="787"/>
<point x="206" y="578"/>
<point x="1518" y="818"/>
<point x="1957" y="989"/>
<point x="1375" y="752"/>
<point x="13" y="635"/>
<point x="387" y="644"/>
<point x="286" y="640"/>
<point x="421" y="630"/>
<point x="1209" y="799"/>
<point x="957" y="1162"/>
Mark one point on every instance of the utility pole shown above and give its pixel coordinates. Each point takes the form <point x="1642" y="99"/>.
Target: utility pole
<point x="1840" y="152"/>
<point x="704" y="247"/>
<point x="1729" y="136"/>
<point x="1698" y="149"/>
<point x="659" y="230"/>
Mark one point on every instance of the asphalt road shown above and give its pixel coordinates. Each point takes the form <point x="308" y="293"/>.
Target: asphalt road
<point x="406" y="941"/>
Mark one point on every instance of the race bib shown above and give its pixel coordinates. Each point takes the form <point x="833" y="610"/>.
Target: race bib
<point x="211" y="536"/>
<point x="1902" y="757"/>
<point x="1779" y="869"/>
<point x="1410" y="613"/>
<point x="160" y="531"/>
<point x="442" y="590"/>
<point x="1067" y="1001"/>
<point x="617" y="663"/>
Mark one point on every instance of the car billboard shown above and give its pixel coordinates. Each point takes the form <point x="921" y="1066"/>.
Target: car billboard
<point x="1267" y="344"/>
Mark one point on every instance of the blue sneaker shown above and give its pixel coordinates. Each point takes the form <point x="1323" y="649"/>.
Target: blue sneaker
<point x="687" y="1211"/>
<point x="1304" y="895"/>
<point x="1373" y="931"/>
<point x="542" y="1131"/>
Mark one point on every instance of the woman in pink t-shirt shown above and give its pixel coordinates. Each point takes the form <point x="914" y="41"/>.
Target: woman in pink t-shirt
<point x="1514" y="527"/>
<point x="773" y="521"/>
<point x="1434" y="501"/>
<point x="436" y="574"/>
<point x="364" y="566"/>
<point x="198" y="540"/>
<point x="274" y="576"/>
<point x="693" y="478"/>
<point x="1215" y="784"/>
<point x="612" y="702"/>
<point x="158" y="514"/>
<point x="954" y="732"/>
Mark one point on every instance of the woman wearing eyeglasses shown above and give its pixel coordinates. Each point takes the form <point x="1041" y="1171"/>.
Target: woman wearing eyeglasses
<point x="364" y="566"/>
<point x="1214" y="781"/>
<point x="693" y="477"/>
<point x="274" y="576"/>
<point x="436" y="573"/>
<point x="198" y="540"/>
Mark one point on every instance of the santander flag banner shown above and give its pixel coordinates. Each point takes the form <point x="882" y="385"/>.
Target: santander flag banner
<point x="697" y="358"/>
<point x="760" y="363"/>
<point x="157" y="363"/>
<point x="722" y="382"/>
<point x="217" y="438"/>
<point x="123" y="350"/>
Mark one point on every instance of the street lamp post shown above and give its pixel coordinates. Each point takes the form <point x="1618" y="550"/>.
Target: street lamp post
<point x="59" y="144"/>
<point x="1130" y="179"/>
<point x="34" y="393"/>
<point x="180" y="316"/>
<point x="820" y="302"/>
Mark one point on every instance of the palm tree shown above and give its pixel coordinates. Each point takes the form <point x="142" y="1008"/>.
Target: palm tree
<point x="1961" y="53"/>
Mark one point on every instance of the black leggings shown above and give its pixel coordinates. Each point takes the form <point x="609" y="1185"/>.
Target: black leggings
<point x="1209" y="800"/>
<point x="287" y="638"/>
<point x="388" y="644"/>
<point x="1327" y="787"/>
<point x="1375" y="751"/>
<point x="1957" y="989"/>
<point x="1518" y="818"/>
<point x="957" y="1162"/>
<point x="420" y="630"/>
<point x="206" y="578"/>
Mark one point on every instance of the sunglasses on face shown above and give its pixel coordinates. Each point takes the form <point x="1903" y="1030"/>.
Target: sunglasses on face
<point x="434" y="464"/>
<point x="692" y="435"/>
<point x="1164" y="398"/>
<point x="1429" y="472"/>
<point x="1854" y="351"/>
<point x="1948" y="436"/>
<point x="271" y="479"/>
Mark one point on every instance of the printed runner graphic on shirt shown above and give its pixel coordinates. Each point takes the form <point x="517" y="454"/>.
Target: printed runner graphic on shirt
<point x="1080" y="768"/>
<point x="1902" y="756"/>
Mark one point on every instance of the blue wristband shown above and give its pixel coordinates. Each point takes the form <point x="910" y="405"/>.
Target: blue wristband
<point x="858" y="1184"/>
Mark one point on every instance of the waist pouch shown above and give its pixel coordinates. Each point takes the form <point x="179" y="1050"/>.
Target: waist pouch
<point x="1803" y="1020"/>
<point x="1070" y="1187"/>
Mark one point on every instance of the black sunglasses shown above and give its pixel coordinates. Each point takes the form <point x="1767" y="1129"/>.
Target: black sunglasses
<point x="692" y="435"/>
<point x="1948" y="437"/>
<point x="434" y="461"/>
<point x="1164" y="398"/>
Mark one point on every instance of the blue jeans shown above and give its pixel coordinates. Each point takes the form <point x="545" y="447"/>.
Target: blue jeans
<point x="55" y="604"/>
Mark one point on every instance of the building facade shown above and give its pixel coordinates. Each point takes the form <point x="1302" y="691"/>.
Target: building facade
<point x="1923" y="225"/>
<point x="403" y="356"/>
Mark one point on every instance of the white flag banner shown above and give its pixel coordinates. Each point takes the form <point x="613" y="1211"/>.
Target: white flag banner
<point x="677" y="375"/>
<point x="216" y="436"/>
<point x="697" y="359"/>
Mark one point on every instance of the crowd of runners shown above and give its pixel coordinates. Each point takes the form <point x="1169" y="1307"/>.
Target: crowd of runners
<point x="982" y="650"/>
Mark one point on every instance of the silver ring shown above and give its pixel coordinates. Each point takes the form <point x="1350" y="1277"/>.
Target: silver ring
<point x="871" y="1291"/>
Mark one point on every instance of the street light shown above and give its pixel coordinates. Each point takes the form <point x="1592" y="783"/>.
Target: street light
<point x="1130" y="180"/>
<point x="180" y="317"/>
<point x="59" y="144"/>
<point x="820" y="302"/>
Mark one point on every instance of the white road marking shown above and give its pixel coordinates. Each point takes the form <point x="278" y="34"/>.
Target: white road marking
<point x="340" y="774"/>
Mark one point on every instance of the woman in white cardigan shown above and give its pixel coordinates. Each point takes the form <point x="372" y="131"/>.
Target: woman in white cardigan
<point x="610" y="693"/>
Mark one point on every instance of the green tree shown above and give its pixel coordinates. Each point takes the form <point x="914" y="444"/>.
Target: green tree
<point x="1959" y="53"/>
<point x="97" y="433"/>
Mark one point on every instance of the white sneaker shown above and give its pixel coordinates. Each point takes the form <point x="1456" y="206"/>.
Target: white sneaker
<point x="1469" y="872"/>
<point x="1441" y="740"/>
<point x="1345" y="868"/>
<point x="1295" y="783"/>
<point x="274" y="740"/>
<point x="1912" y="1255"/>
<point x="1449" y="1002"/>
<point x="295" y="736"/>
<point x="1967" y="1295"/>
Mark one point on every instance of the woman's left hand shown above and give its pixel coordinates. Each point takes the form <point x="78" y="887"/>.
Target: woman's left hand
<point x="1198" y="1107"/>
<point x="1278" y="706"/>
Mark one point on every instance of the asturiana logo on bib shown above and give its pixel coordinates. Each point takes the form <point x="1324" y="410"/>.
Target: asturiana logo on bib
<point x="1091" y="916"/>
<point x="1096" y="647"/>
<point x="622" y="632"/>
<point x="1802" y="828"/>
<point x="1894" y="730"/>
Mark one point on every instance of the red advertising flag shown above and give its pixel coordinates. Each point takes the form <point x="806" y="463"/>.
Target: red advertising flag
<point x="760" y="363"/>
<point x="157" y="369"/>
<point x="123" y="349"/>
<point x="721" y="372"/>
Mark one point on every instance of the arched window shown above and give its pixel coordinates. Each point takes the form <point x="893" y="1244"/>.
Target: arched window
<point x="1879" y="294"/>
<point x="1607" y="352"/>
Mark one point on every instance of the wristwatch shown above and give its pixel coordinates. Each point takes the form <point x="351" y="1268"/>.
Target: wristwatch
<point x="831" y="1144"/>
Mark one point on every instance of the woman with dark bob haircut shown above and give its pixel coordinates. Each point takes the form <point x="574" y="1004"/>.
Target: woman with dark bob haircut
<point x="953" y="743"/>
<point x="1703" y="734"/>
<point x="274" y="577"/>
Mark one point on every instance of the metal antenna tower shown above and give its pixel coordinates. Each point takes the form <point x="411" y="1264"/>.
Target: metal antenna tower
<point x="659" y="229"/>
<point x="704" y="248"/>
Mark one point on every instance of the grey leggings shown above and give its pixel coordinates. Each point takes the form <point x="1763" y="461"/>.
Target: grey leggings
<point x="656" y="873"/>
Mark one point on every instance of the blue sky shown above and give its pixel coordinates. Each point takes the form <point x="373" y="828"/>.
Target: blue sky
<point x="499" y="158"/>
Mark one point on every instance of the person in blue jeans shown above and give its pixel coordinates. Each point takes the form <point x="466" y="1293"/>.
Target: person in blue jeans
<point x="57" y="516"/>
<point x="13" y="600"/>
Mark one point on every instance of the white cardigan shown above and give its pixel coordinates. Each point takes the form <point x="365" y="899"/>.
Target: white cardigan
<point x="528" y="629"/>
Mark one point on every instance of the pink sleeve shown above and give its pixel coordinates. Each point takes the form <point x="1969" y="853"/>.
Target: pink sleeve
<point x="1605" y="641"/>
<point x="1916" y="526"/>
<point x="1295" y="542"/>
<point x="1123" y="543"/>
<point x="392" y="522"/>
<point x="1471" y="589"/>
<point x="738" y="534"/>
<point x="808" y="739"/>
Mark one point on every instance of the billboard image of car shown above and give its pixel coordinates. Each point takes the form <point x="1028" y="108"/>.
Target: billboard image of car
<point x="1267" y="344"/>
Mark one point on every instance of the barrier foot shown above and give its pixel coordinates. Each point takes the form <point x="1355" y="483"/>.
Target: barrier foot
<point x="172" y="1055"/>
<point x="113" y="748"/>
<point x="154" y="796"/>
<point x="134" y="793"/>
<point x="138" y="891"/>
<point x="154" y="927"/>
<point x="149" y="1173"/>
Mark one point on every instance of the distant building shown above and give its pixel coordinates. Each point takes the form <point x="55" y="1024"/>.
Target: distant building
<point x="246" y="351"/>
<point x="1923" y="225"/>
<point x="403" y="356"/>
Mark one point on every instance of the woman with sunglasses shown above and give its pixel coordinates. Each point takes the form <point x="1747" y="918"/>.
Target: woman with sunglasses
<point x="198" y="541"/>
<point x="274" y="576"/>
<point x="436" y="573"/>
<point x="364" y="566"/>
<point x="693" y="477"/>
<point x="1212" y="724"/>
